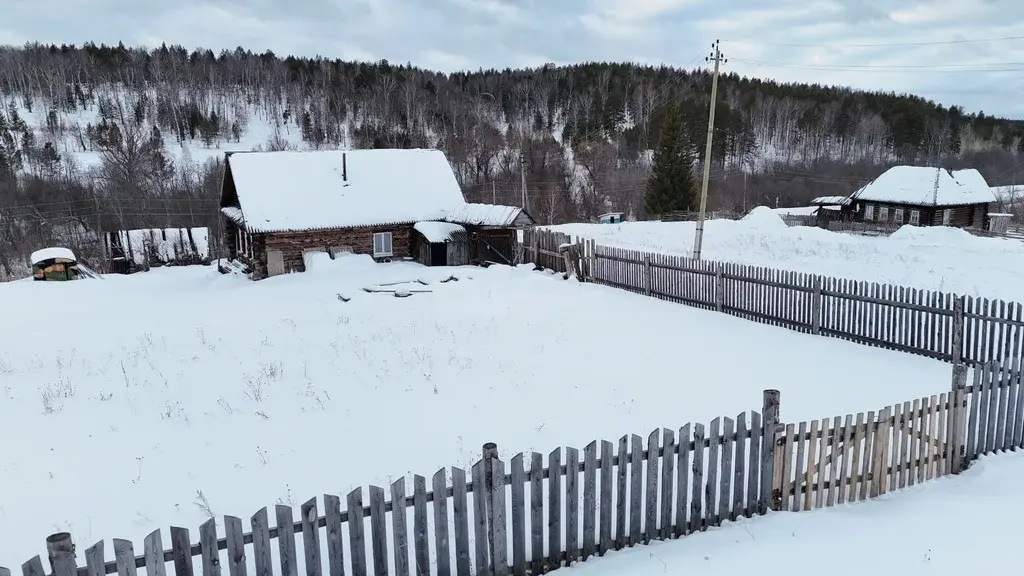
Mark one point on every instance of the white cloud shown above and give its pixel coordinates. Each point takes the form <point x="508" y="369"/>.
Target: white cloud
<point x="444" y="61"/>
<point x="818" y="41"/>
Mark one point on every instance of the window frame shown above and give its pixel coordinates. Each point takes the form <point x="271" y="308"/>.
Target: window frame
<point x="883" y="213"/>
<point x="915" y="217"/>
<point x="382" y="253"/>
<point x="897" y="215"/>
<point x="869" y="211"/>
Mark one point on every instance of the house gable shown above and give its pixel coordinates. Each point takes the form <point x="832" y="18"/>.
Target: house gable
<point x="333" y="189"/>
<point x="925" y="186"/>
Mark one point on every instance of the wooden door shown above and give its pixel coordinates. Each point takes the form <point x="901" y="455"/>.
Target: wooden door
<point x="275" y="262"/>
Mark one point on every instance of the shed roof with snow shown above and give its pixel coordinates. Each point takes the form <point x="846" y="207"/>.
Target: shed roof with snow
<point x="325" y="189"/>
<point x="494" y="215"/>
<point x="831" y="201"/>
<point x="927" y="186"/>
<point x="436" y="232"/>
<point x="52" y="253"/>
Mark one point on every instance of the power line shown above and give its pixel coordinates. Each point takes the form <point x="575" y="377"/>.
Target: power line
<point x="901" y="68"/>
<point x="883" y="44"/>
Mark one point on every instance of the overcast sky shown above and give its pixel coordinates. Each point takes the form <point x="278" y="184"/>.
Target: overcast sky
<point x="927" y="47"/>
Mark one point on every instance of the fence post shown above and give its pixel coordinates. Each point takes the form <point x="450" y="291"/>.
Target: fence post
<point x="719" y="287"/>
<point x="647" y="274"/>
<point x="956" y="443"/>
<point x="816" y="306"/>
<point x="880" y="466"/>
<point x="490" y="453"/>
<point x="60" y="548"/>
<point x="770" y="424"/>
<point x="957" y="348"/>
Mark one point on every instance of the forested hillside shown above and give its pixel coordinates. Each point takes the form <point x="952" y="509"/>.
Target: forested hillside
<point x="116" y="135"/>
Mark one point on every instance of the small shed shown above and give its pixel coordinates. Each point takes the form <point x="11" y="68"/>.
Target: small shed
<point x="493" y="230"/>
<point x="610" y="218"/>
<point x="440" y="244"/>
<point x="54" y="264"/>
<point x="136" y="250"/>
<point x="999" y="222"/>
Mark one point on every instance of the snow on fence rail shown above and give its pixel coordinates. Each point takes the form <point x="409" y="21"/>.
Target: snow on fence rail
<point x="893" y="317"/>
<point x="533" y="514"/>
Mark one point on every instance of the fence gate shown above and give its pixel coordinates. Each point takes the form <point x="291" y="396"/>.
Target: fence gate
<point x="845" y="459"/>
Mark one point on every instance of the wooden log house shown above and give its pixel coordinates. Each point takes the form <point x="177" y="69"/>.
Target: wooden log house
<point x="923" y="196"/>
<point x="278" y="206"/>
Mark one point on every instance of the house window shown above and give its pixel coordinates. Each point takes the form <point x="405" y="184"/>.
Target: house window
<point x="915" y="217"/>
<point x="869" y="211"/>
<point x="883" y="213"/>
<point x="946" y="214"/>
<point x="897" y="215"/>
<point x="381" y="244"/>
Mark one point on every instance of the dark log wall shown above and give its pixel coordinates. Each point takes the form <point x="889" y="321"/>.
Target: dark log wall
<point x="358" y="240"/>
<point x="970" y="216"/>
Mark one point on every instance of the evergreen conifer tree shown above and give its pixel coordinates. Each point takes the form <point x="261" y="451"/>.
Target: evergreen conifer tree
<point x="671" y="186"/>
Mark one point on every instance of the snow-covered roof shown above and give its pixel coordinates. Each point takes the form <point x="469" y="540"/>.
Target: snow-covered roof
<point x="438" y="231"/>
<point x="234" y="213"/>
<point x="971" y="178"/>
<point x="926" y="186"/>
<point x="486" y="215"/>
<point x="309" y="190"/>
<point x="52" y="253"/>
<point x="831" y="200"/>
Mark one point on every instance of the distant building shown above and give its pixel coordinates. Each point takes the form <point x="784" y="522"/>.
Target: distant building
<point x="132" y="251"/>
<point x="923" y="196"/>
<point x="610" y="218"/>
<point x="385" y="203"/>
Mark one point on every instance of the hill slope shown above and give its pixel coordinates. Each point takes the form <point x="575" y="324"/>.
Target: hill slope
<point x="86" y="128"/>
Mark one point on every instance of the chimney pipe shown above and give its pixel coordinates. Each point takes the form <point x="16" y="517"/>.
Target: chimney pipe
<point x="344" y="168"/>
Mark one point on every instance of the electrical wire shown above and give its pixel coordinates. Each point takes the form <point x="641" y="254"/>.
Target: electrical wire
<point x="883" y="44"/>
<point x="899" y="68"/>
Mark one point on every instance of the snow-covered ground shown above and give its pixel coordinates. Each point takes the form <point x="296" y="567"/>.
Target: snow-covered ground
<point x="935" y="258"/>
<point x="140" y="402"/>
<point x="953" y="526"/>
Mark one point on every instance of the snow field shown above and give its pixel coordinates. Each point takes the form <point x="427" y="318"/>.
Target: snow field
<point x="195" y="393"/>
<point x="925" y="529"/>
<point x="933" y="258"/>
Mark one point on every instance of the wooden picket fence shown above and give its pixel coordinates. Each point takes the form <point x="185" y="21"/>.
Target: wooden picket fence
<point x="542" y="248"/>
<point x="529" y="516"/>
<point x="893" y="317"/>
<point x="533" y="514"/>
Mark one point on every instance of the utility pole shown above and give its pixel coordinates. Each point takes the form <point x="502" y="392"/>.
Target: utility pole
<point x="716" y="57"/>
<point x="100" y="237"/>
<point x="494" y="193"/>
<point x="522" y="172"/>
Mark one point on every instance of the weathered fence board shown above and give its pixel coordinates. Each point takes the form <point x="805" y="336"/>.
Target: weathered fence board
<point x="898" y="318"/>
<point x="674" y="484"/>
